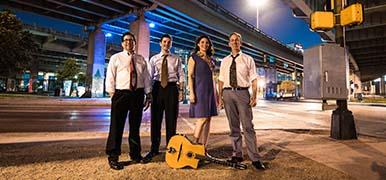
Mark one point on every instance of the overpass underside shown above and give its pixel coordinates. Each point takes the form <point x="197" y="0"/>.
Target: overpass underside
<point x="178" y="18"/>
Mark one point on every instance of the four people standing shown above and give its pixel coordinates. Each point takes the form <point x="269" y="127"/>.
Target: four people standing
<point x="127" y="82"/>
<point x="129" y="79"/>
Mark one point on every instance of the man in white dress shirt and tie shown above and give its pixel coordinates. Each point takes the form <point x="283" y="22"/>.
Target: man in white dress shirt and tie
<point x="237" y="74"/>
<point x="127" y="82"/>
<point x="168" y="79"/>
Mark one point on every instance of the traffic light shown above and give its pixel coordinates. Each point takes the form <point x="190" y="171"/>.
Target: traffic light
<point x="321" y="20"/>
<point x="329" y="5"/>
<point x="352" y="15"/>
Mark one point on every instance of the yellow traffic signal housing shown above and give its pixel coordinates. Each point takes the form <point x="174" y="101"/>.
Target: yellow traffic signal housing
<point x="352" y="15"/>
<point x="321" y="20"/>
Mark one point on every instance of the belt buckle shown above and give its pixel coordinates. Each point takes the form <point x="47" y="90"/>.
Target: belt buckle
<point x="234" y="88"/>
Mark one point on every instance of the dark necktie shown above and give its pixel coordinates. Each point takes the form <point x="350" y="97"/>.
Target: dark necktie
<point x="233" y="72"/>
<point x="133" y="74"/>
<point x="164" y="72"/>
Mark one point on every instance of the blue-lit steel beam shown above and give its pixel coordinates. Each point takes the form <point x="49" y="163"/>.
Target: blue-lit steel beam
<point x="213" y="36"/>
<point x="191" y="40"/>
<point x="191" y="7"/>
<point x="249" y="48"/>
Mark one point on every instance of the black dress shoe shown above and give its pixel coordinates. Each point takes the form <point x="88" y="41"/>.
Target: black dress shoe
<point x="137" y="159"/>
<point x="258" y="165"/>
<point x="235" y="159"/>
<point x="149" y="156"/>
<point x="114" y="164"/>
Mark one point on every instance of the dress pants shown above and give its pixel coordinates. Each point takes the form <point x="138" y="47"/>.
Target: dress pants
<point x="122" y="102"/>
<point x="238" y="110"/>
<point x="164" y="100"/>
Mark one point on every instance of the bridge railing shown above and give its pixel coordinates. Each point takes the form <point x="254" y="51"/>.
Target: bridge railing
<point x="51" y="31"/>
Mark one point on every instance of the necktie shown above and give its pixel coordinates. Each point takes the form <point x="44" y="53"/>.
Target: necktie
<point x="164" y="72"/>
<point x="133" y="74"/>
<point x="232" y="72"/>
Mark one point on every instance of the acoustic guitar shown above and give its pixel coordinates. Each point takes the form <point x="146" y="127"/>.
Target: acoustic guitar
<point x="181" y="152"/>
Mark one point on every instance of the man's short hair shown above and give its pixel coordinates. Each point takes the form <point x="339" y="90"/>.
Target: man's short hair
<point x="237" y="34"/>
<point x="166" y="36"/>
<point x="130" y="34"/>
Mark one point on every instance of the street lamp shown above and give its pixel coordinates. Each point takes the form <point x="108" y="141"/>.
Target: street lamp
<point x="258" y="4"/>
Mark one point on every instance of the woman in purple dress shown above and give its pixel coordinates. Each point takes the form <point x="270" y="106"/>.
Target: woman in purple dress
<point x="202" y="90"/>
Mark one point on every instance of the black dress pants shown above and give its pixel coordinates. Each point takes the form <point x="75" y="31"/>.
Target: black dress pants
<point x="122" y="102"/>
<point x="164" y="100"/>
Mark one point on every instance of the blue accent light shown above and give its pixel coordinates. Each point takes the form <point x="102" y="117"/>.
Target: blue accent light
<point x="151" y="25"/>
<point x="108" y="35"/>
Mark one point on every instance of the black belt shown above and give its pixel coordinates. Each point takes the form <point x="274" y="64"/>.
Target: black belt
<point x="169" y="83"/>
<point x="236" y="88"/>
<point x="128" y="90"/>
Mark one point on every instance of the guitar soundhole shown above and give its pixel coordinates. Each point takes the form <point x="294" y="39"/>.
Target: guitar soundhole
<point x="172" y="150"/>
<point x="189" y="154"/>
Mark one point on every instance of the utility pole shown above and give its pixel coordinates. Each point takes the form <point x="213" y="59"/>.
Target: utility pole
<point x="342" y="120"/>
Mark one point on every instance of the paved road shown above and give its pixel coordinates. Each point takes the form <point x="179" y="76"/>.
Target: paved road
<point x="370" y="120"/>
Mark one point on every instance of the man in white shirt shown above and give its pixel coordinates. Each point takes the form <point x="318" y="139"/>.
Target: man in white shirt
<point x="237" y="74"/>
<point x="168" y="79"/>
<point x="127" y="82"/>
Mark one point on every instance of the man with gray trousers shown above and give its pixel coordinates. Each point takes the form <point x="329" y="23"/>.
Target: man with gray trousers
<point x="237" y="74"/>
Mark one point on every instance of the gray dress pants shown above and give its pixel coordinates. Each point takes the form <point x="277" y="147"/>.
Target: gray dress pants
<point x="237" y="109"/>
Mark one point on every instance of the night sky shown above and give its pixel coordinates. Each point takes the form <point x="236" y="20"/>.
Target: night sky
<point x="276" y="20"/>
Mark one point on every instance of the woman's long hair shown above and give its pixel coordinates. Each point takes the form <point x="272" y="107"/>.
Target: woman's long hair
<point x="209" y="51"/>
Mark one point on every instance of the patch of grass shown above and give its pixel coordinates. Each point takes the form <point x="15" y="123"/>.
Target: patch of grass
<point x="22" y="95"/>
<point x="371" y="100"/>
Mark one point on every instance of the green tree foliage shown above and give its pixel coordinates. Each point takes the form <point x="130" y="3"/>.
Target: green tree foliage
<point x="17" y="48"/>
<point x="68" y="70"/>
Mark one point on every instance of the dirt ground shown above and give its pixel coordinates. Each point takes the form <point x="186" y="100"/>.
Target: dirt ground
<point x="85" y="159"/>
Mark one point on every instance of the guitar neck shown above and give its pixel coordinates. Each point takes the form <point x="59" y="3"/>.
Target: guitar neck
<point x="221" y="161"/>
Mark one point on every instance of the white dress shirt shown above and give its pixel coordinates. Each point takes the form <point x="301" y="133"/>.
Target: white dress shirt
<point x="245" y="70"/>
<point x="176" y="74"/>
<point x="118" y="72"/>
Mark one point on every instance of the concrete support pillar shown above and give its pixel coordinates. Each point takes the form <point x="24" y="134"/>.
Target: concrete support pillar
<point x="357" y="84"/>
<point x="11" y="84"/>
<point x="271" y="82"/>
<point x="372" y="88"/>
<point x="141" y="31"/>
<point x="96" y="62"/>
<point x="357" y="81"/>
<point x="382" y="84"/>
